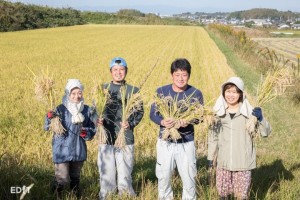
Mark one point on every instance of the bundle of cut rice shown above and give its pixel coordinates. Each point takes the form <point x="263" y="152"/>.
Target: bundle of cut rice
<point x="101" y="98"/>
<point x="272" y="85"/>
<point x="188" y="109"/>
<point x="45" y="92"/>
<point x="131" y="103"/>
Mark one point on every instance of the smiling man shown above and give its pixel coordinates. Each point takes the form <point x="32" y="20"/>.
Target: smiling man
<point x="180" y="153"/>
<point x="115" y="164"/>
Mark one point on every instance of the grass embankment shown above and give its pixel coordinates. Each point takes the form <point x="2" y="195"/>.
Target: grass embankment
<point x="278" y="165"/>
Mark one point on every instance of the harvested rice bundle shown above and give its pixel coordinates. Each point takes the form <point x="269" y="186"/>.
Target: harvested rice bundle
<point x="188" y="109"/>
<point x="45" y="92"/>
<point x="272" y="85"/>
<point x="101" y="98"/>
<point x="131" y="103"/>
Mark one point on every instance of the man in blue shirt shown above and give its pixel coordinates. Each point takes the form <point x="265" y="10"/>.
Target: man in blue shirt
<point x="180" y="153"/>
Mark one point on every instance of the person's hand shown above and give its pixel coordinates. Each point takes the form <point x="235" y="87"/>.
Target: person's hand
<point x="100" y="121"/>
<point x="257" y="112"/>
<point x="51" y="114"/>
<point x="125" y="125"/>
<point x="209" y="171"/>
<point x="83" y="132"/>
<point x="168" y="123"/>
<point x="209" y="164"/>
<point x="183" y="123"/>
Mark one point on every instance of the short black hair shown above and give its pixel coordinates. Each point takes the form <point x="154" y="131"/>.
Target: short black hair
<point x="182" y="64"/>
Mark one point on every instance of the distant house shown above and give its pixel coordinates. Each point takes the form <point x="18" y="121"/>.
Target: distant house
<point x="295" y="26"/>
<point x="283" y="26"/>
<point x="260" y="22"/>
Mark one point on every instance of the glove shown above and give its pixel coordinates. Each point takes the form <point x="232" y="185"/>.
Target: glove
<point x="209" y="164"/>
<point x="83" y="133"/>
<point x="257" y="112"/>
<point x="51" y="114"/>
<point x="210" y="174"/>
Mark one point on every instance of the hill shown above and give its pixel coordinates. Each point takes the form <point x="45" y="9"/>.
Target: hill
<point x="264" y="13"/>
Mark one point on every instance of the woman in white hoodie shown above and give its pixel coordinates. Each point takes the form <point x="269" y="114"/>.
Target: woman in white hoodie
<point x="69" y="150"/>
<point x="230" y="143"/>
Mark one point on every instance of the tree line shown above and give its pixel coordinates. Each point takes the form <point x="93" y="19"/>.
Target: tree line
<point x="19" y="16"/>
<point x="264" y="13"/>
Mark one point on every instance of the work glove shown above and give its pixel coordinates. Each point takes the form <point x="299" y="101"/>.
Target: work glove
<point x="83" y="132"/>
<point x="210" y="175"/>
<point x="51" y="114"/>
<point x="209" y="164"/>
<point x="257" y="112"/>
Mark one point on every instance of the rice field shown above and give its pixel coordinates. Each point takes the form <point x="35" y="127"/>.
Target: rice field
<point x="288" y="47"/>
<point x="84" y="52"/>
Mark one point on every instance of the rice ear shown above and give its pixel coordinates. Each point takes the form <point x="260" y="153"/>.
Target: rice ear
<point x="273" y="84"/>
<point x="187" y="109"/>
<point x="44" y="88"/>
<point x="102" y="134"/>
<point x="120" y="141"/>
<point x="56" y="126"/>
<point x="131" y="103"/>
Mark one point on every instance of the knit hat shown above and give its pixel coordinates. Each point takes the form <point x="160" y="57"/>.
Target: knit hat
<point x="71" y="84"/>
<point x="118" y="61"/>
<point x="236" y="81"/>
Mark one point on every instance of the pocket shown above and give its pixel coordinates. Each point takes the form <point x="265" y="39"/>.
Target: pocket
<point x="160" y="158"/>
<point x="191" y="159"/>
<point x="158" y="170"/>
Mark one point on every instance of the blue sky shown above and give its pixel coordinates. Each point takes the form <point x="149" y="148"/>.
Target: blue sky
<point x="170" y="6"/>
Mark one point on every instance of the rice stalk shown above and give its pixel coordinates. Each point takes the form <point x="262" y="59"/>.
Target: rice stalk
<point x="56" y="126"/>
<point x="131" y="103"/>
<point x="45" y="92"/>
<point x="44" y="88"/>
<point x="188" y="109"/>
<point x="101" y="98"/>
<point x="273" y="84"/>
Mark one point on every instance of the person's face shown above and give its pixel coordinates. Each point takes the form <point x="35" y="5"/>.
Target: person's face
<point x="232" y="96"/>
<point x="180" y="79"/>
<point x="75" y="95"/>
<point x="118" y="73"/>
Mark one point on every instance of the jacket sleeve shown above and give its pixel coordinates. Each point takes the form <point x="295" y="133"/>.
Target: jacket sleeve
<point x="265" y="128"/>
<point x="154" y="115"/>
<point x="212" y="142"/>
<point x="90" y="126"/>
<point x="136" y="117"/>
<point x="199" y="98"/>
<point x="90" y="133"/>
<point x="48" y="121"/>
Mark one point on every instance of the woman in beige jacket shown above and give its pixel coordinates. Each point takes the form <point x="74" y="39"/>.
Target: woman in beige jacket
<point x="230" y="143"/>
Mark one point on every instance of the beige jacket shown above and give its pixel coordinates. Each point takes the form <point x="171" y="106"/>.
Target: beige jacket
<point x="232" y="144"/>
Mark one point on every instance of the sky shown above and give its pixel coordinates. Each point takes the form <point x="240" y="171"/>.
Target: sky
<point x="168" y="7"/>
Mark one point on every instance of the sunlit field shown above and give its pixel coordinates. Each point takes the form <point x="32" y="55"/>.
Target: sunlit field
<point x="84" y="52"/>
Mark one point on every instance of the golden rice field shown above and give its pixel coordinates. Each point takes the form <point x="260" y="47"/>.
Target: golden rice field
<point x="288" y="47"/>
<point x="84" y="52"/>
